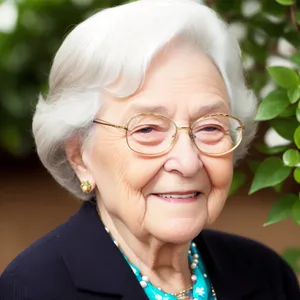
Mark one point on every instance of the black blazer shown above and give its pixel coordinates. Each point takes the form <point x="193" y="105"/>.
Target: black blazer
<point x="79" y="261"/>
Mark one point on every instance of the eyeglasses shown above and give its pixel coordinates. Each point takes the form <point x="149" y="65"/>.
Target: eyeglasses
<point x="152" y="134"/>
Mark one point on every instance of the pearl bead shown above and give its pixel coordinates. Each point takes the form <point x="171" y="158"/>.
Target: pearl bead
<point x="145" y="278"/>
<point x="196" y="256"/>
<point x="205" y="275"/>
<point x="194" y="278"/>
<point x="193" y="266"/>
<point x="194" y="244"/>
<point x="107" y="230"/>
<point x="195" y="261"/>
<point x="116" y="243"/>
<point x="190" y="252"/>
<point x="143" y="284"/>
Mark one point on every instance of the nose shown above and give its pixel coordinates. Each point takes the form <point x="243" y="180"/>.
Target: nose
<point x="184" y="158"/>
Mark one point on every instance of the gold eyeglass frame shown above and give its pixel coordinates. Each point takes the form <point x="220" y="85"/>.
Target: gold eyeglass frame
<point x="190" y="128"/>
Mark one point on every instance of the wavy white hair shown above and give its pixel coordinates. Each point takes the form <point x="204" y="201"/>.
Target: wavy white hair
<point x="111" y="51"/>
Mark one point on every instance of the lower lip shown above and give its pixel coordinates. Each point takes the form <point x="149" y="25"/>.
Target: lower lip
<point x="178" y="200"/>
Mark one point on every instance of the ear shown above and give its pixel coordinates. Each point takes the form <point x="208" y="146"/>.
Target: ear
<point x="74" y="152"/>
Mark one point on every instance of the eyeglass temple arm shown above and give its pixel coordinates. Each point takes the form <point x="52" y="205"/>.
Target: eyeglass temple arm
<point x="109" y="124"/>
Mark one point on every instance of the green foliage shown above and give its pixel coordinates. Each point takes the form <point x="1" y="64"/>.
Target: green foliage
<point x="284" y="77"/>
<point x="274" y="104"/>
<point x="238" y="180"/>
<point x="294" y="94"/>
<point x="297" y="174"/>
<point x="25" y="57"/>
<point x="285" y="2"/>
<point x="282" y="209"/>
<point x="292" y="257"/>
<point x="280" y="109"/>
<point x="297" y="137"/>
<point x="291" y="157"/>
<point x="269" y="173"/>
<point x="271" y="150"/>
<point x="285" y="127"/>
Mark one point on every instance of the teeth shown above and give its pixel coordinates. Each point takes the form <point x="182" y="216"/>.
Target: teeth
<point x="176" y="196"/>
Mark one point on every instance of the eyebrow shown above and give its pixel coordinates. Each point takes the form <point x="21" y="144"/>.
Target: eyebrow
<point x="139" y="108"/>
<point x="217" y="106"/>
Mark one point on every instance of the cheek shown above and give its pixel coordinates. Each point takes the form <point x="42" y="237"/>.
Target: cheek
<point x="118" y="168"/>
<point x="220" y="171"/>
<point x="140" y="171"/>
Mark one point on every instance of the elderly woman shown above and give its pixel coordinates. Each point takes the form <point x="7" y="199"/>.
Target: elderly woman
<point x="146" y="114"/>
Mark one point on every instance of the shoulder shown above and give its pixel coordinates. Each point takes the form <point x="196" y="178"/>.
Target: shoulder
<point x="40" y="266"/>
<point x="238" y="246"/>
<point x="241" y="249"/>
<point x="241" y="253"/>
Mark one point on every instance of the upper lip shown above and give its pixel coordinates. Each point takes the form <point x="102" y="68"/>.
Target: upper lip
<point x="178" y="192"/>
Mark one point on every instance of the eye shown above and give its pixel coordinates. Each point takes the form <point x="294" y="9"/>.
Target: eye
<point x="145" y="130"/>
<point x="210" y="128"/>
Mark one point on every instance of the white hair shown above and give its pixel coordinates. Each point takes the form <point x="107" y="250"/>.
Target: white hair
<point x="111" y="51"/>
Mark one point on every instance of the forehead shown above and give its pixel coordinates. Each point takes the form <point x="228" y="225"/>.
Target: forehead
<point x="180" y="79"/>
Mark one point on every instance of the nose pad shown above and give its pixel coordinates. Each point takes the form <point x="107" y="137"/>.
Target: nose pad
<point x="192" y="136"/>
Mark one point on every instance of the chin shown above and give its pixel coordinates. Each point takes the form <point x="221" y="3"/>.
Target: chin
<point x="178" y="231"/>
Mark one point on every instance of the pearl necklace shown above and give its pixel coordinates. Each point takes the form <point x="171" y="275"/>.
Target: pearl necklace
<point x="202" y="289"/>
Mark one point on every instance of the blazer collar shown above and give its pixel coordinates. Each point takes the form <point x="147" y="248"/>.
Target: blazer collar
<point x="231" y="274"/>
<point x="89" y="253"/>
<point x="94" y="262"/>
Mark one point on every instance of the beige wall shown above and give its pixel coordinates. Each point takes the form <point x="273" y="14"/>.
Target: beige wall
<point x="32" y="204"/>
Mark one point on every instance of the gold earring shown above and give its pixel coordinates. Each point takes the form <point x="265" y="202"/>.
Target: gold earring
<point x="85" y="186"/>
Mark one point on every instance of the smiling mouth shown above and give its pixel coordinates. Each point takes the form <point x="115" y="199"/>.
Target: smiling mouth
<point x="178" y="196"/>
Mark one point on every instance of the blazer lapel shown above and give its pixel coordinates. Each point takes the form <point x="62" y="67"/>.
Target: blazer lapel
<point x="95" y="264"/>
<point x="229" y="272"/>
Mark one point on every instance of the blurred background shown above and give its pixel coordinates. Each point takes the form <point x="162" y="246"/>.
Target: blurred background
<point x="31" y="31"/>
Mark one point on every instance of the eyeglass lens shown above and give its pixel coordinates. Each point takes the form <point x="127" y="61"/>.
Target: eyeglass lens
<point x="152" y="134"/>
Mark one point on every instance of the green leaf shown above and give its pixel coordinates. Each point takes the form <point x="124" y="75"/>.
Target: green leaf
<point x="281" y="209"/>
<point x="288" y="112"/>
<point x="297" y="137"/>
<point x="253" y="165"/>
<point x="297" y="174"/>
<point x="283" y="76"/>
<point x="278" y="187"/>
<point x="296" y="58"/>
<point x="285" y="127"/>
<point x="238" y="180"/>
<point x="291" y="157"/>
<point x="294" y="94"/>
<point x="285" y="2"/>
<point x="292" y="257"/>
<point x="272" y="105"/>
<point x="270" y="173"/>
<point x="296" y="211"/>
<point x="271" y="150"/>
<point x="298" y="114"/>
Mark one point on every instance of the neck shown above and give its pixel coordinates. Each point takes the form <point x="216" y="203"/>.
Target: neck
<point x="165" y="264"/>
